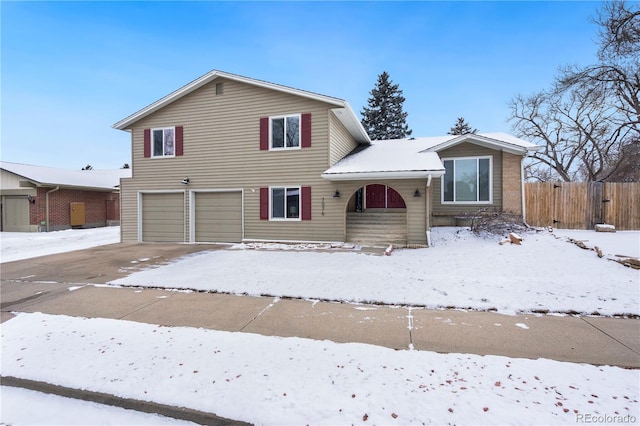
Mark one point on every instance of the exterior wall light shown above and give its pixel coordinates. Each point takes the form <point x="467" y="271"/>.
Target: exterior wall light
<point x="185" y="181"/>
<point x="337" y="194"/>
<point x="417" y="193"/>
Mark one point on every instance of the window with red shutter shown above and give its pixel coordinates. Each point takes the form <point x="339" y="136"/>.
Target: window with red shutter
<point x="285" y="132"/>
<point x="305" y="131"/>
<point x="306" y="203"/>
<point x="264" y="203"/>
<point x="264" y="134"/>
<point x="147" y="142"/>
<point x="179" y="140"/>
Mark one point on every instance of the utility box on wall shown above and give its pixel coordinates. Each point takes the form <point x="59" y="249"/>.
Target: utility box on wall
<point x="77" y="214"/>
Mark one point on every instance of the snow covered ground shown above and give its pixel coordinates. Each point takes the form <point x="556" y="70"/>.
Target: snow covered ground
<point x="26" y="407"/>
<point x="25" y="245"/>
<point x="272" y="380"/>
<point x="293" y="381"/>
<point x="462" y="270"/>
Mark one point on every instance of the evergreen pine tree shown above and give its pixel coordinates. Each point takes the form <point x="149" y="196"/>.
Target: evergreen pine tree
<point x="461" y="128"/>
<point x="384" y="118"/>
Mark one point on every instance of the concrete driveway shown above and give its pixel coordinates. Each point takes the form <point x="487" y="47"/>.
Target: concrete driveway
<point x="98" y="265"/>
<point x="65" y="284"/>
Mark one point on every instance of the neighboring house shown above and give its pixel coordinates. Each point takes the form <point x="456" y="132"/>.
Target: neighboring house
<point x="36" y="198"/>
<point x="228" y="158"/>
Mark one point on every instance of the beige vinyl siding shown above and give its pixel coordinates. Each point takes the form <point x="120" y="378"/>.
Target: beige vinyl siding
<point x="341" y="141"/>
<point x="222" y="150"/>
<point x="416" y="206"/>
<point x="468" y="150"/>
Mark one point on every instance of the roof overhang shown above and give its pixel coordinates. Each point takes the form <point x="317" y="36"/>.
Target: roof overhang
<point x="401" y="174"/>
<point x="349" y="120"/>
<point x="344" y="112"/>
<point x="487" y="143"/>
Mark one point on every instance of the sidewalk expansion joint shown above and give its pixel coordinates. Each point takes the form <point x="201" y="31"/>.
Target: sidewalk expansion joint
<point x="180" y="413"/>
<point x="609" y="335"/>
<point x="144" y="307"/>
<point x="269" y="306"/>
<point x="410" y="326"/>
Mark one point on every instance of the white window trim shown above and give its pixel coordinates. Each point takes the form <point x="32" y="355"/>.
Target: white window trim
<point x="481" y="157"/>
<point x="174" y="142"/>
<point x="285" y="148"/>
<point x="285" y="219"/>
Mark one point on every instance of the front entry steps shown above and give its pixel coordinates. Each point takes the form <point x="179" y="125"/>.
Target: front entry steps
<point x="378" y="227"/>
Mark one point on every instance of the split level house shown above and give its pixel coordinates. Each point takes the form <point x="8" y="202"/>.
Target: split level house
<point x="228" y="158"/>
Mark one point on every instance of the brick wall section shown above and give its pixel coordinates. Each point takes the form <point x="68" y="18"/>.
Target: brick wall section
<point x="99" y="207"/>
<point x="511" y="183"/>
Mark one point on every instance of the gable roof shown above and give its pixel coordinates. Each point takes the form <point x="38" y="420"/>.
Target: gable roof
<point x="498" y="141"/>
<point x="343" y="112"/>
<point x="82" y="179"/>
<point x="415" y="157"/>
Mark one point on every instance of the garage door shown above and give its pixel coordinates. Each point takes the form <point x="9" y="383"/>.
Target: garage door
<point x="15" y="214"/>
<point x="163" y="217"/>
<point x="218" y="217"/>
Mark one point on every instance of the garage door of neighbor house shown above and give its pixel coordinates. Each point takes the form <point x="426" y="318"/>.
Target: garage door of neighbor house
<point x="163" y="217"/>
<point x="218" y="217"/>
<point x="15" y="214"/>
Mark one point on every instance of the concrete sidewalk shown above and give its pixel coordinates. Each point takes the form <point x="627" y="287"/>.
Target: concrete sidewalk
<point x="593" y="340"/>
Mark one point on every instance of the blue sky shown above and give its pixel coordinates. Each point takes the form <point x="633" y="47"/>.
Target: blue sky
<point x="72" y="69"/>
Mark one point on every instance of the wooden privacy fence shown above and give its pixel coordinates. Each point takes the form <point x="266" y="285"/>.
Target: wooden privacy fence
<point x="582" y="205"/>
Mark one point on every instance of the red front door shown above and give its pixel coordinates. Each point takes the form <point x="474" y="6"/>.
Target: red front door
<point x="382" y="196"/>
<point x="376" y="196"/>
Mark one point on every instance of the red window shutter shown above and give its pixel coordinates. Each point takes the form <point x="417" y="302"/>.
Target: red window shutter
<point x="179" y="140"/>
<point x="264" y="133"/>
<point x="147" y="142"/>
<point x="305" y="131"/>
<point x="264" y="203"/>
<point x="306" y="203"/>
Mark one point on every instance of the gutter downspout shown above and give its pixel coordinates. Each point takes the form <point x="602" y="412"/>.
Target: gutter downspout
<point x="47" y="204"/>
<point x="524" y="204"/>
<point x="427" y="214"/>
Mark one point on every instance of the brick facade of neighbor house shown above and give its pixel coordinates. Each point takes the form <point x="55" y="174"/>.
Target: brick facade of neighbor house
<point x="101" y="208"/>
<point x="511" y="183"/>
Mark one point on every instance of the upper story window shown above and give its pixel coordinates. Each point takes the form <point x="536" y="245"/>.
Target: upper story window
<point x="285" y="132"/>
<point x="467" y="180"/>
<point x="163" y="141"/>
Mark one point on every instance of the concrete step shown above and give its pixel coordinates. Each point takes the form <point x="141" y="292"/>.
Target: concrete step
<point x="378" y="227"/>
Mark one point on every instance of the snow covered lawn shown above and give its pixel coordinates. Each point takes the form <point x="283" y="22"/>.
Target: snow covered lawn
<point x="25" y="245"/>
<point x="27" y="407"/>
<point x="270" y="380"/>
<point x="461" y="270"/>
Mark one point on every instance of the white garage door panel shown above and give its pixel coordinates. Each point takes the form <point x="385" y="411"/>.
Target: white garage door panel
<point x="163" y="217"/>
<point x="218" y="217"/>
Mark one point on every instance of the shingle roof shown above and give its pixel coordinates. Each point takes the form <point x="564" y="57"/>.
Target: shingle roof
<point x="415" y="157"/>
<point x="90" y="179"/>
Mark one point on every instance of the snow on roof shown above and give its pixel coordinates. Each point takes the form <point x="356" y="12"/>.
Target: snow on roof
<point x="40" y="175"/>
<point x="502" y="141"/>
<point x="415" y="157"/>
<point x="389" y="159"/>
